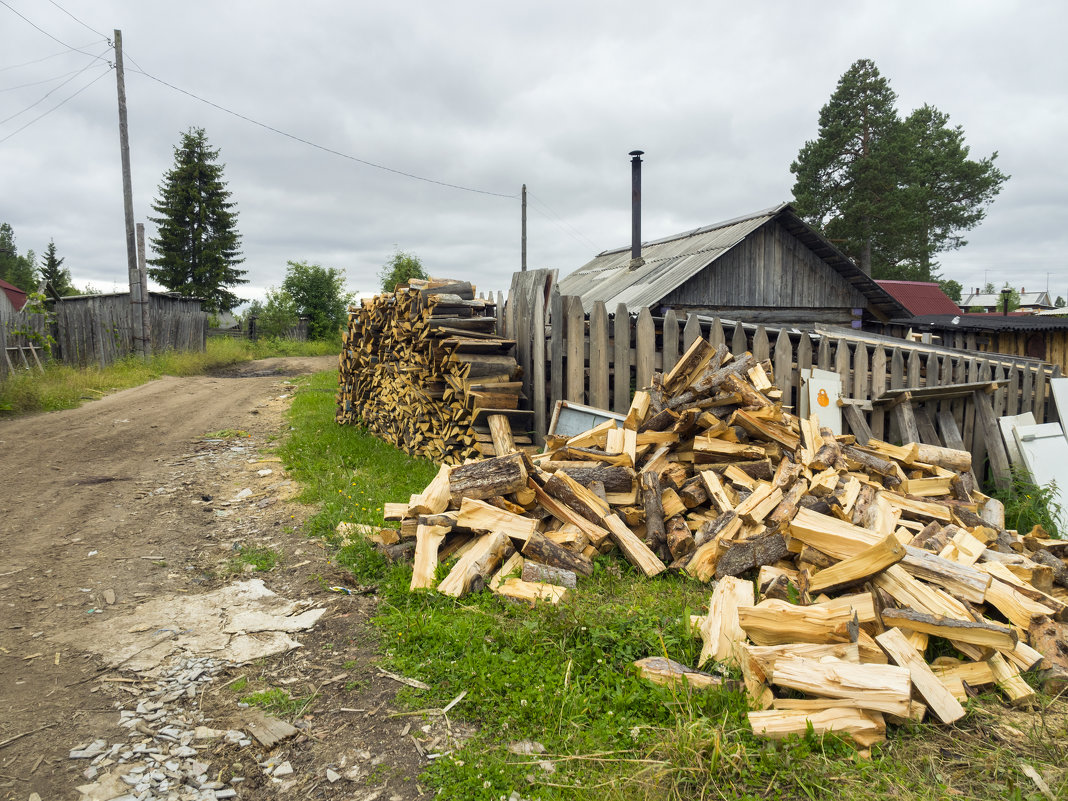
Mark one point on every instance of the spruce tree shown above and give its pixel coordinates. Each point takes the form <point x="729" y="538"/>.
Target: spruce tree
<point x="52" y="270"/>
<point x="197" y="244"/>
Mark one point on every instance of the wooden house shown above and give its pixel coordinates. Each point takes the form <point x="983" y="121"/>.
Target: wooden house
<point x="767" y="267"/>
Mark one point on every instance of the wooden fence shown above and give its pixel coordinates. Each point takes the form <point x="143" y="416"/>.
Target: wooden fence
<point x="18" y="332"/>
<point x="95" y="329"/>
<point x="600" y="358"/>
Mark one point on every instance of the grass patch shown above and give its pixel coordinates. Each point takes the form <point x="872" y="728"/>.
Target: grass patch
<point x="1028" y="505"/>
<point x="260" y="558"/>
<point x="64" y="387"/>
<point x="563" y="676"/>
<point x="279" y="702"/>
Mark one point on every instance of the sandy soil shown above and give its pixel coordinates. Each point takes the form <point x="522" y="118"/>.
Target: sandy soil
<point x="130" y="497"/>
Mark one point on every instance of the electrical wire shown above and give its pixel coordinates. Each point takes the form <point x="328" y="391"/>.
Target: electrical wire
<point x="560" y="222"/>
<point x="39" y="83"/>
<point x="46" y="94"/>
<point x="322" y="147"/>
<point x="61" y="103"/>
<point x="94" y="30"/>
<point x="54" y="55"/>
<point x="42" y="30"/>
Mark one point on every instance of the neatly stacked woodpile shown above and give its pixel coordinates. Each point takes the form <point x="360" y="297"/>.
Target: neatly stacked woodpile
<point x="423" y="368"/>
<point x="862" y="555"/>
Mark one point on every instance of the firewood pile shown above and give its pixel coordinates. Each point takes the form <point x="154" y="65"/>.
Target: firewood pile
<point x="835" y="565"/>
<point x="424" y="369"/>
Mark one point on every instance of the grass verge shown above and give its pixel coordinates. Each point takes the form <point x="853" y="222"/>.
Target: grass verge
<point x="64" y="387"/>
<point x="562" y="677"/>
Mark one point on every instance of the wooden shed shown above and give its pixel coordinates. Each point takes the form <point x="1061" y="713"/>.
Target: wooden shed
<point x="1035" y="337"/>
<point x="767" y="267"/>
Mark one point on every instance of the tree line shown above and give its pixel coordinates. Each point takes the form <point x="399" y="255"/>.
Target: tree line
<point x="27" y="273"/>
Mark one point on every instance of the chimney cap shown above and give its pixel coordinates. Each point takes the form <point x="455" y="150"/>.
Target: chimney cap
<point x="636" y="153"/>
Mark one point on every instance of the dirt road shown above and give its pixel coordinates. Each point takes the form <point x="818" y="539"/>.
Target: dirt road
<point x="135" y="497"/>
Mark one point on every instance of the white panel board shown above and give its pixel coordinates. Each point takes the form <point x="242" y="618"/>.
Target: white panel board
<point x="1058" y="389"/>
<point x="820" y="392"/>
<point x="1045" y="453"/>
<point x="1007" y="424"/>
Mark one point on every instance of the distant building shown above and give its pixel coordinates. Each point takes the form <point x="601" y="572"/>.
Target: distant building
<point x="921" y="297"/>
<point x="991" y="301"/>
<point x="12" y="298"/>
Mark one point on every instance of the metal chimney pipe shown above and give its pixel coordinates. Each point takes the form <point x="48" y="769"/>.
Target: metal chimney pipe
<point x="636" y="204"/>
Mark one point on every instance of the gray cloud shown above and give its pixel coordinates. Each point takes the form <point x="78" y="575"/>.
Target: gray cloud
<point x="490" y="96"/>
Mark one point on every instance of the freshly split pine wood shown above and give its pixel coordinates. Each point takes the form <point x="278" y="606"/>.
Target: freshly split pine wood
<point x="883" y="688"/>
<point x="860" y="724"/>
<point x="721" y="633"/>
<point x="856" y="569"/>
<point x="476" y="567"/>
<point x="427" y="541"/>
<point x="934" y="693"/>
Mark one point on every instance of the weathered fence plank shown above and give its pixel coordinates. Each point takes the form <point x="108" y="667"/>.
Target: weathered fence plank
<point x="576" y="350"/>
<point x="621" y="360"/>
<point x="645" y="347"/>
<point x="599" y="356"/>
<point x="670" y="340"/>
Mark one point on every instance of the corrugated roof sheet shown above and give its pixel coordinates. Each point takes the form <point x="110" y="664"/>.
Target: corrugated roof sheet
<point x="988" y="322"/>
<point x="670" y="262"/>
<point x="921" y="297"/>
<point x="993" y="299"/>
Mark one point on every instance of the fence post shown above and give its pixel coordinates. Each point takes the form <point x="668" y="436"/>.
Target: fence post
<point x="670" y="342"/>
<point x="645" y="346"/>
<point x="878" y="387"/>
<point x="739" y="341"/>
<point x="621" y="359"/>
<point x="253" y="329"/>
<point x="537" y="356"/>
<point x="599" y="356"/>
<point x="716" y="337"/>
<point x="691" y="332"/>
<point x="556" y="346"/>
<point x="576" y="349"/>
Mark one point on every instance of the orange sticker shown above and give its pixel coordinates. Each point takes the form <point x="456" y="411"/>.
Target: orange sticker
<point x="822" y="399"/>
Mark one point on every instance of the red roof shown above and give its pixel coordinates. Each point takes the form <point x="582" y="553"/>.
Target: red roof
<point x="14" y="294"/>
<point x="920" y="297"/>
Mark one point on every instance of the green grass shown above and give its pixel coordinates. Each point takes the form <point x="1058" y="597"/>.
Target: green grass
<point x="279" y="702"/>
<point x="1028" y="505"/>
<point x="64" y="387"/>
<point x="260" y="558"/>
<point x="563" y="676"/>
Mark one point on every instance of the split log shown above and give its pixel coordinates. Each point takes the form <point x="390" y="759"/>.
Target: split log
<point x="577" y="497"/>
<point x="532" y="591"/>
<point x="481" y="516"/>
<point x="721" y="634"/>
<point x="748" y="554"/>
<point x="476" y="567"/>
<point x="680" y="542"/>
<point x="501" y="475"/>
<point x="548" y="574"/>
<point x="635" y="551"/>
<point x="856" y="569"/>
<point x="427" y="541"/>
<point x="655" y="534"/>
<point x="541" y="549"/>
<point x="864" y="727"/>
<point x="616" y="478"/>
<point x="957" y="461"/>
<point x="985" y="635"/>
<point x="668" y="672"/>
<point x="773" y="622"/>
<point x="934" y="693"/>
<point x="883" y="688"/>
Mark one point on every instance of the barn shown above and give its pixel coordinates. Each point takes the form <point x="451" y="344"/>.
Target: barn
<point x="767" y="267"/>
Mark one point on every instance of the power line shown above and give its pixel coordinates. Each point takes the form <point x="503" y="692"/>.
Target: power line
<point x="42" y="30"/>
<point x="322" y="147"/>
<point x="61" y="103"/>
<point x="46" y="94"/>
<point x="94" y="30"/>
<point x="39" y="83"/>
<point x="54" y="55"/>
<point x="560" y="222"/>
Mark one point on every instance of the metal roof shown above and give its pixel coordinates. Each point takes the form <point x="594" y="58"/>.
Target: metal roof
<point x="921" y="297"/>
<point x="988" y="300"/>
<point x="670" y="262"/>
<point x="987" y="322"/>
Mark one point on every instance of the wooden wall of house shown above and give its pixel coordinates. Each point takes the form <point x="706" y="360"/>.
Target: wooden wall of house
<point x="771" y="276"/>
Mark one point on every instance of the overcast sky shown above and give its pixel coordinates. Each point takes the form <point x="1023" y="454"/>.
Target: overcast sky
<point x="492" y="95"/>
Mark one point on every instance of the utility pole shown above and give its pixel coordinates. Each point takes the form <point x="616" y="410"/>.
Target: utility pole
<point x="136" y="321"/>
<point x="524" y="261"/>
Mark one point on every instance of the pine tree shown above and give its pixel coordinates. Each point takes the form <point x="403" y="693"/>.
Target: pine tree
<point x="197" y="244"/>
<point x="15" y="269"/>
<point x="53" y="271"/>
<point x="845" y="177"/>
<point x="889" y="193"/>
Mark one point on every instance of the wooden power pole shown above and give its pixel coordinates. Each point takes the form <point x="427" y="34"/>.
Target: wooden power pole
<point x="136" y="319"/>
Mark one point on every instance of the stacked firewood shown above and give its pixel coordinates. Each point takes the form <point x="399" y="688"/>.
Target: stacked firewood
<point x="835" y="563"/>
<point x="424" y="369"/>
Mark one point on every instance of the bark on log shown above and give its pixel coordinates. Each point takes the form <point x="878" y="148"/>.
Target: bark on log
<point x="748" y="554"/>
<point x="655" y="534"/>
<point x="501" y="475"/>
<point x="679" y="540"/>
<point x="541" y="549"/>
